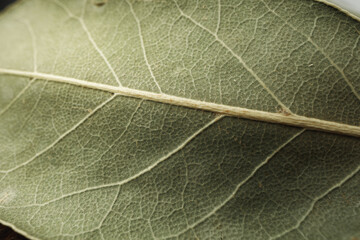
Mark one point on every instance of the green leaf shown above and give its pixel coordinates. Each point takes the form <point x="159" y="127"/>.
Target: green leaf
<point x="179" y="120"/>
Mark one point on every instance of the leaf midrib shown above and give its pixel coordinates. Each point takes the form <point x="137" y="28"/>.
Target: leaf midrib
<point x="252" y="114"/>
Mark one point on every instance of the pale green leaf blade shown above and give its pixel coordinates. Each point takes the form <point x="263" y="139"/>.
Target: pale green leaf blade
<point x="80" y="163"/>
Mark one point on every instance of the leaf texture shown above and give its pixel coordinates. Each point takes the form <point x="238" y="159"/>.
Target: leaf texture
<point x="81" y="163"/>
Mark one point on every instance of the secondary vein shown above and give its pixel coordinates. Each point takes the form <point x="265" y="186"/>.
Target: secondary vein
<point x="135" y="176"/>
<point x="238" y="186"/>
<point x="238" y="57"/>
<point x="91" y="39"/>
<point x="322" y="51"/>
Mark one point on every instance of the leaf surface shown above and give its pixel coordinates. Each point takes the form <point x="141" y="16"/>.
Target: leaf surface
<point x="89" y="163"/>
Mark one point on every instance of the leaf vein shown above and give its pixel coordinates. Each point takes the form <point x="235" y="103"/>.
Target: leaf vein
<point x="317" y="199"/>
<point x="235" y="55"/>
<point x="91" y="39"/>
<point x="140" y="173"/>
<point x="16" y="97"/>
<point x="238" y="186"/>
<point x="252" y="114"/>
<point x="58" y="139"/>
<point x="143" y="45"/>
<point x="108" y="212"/>
<point x="308" y="38"/>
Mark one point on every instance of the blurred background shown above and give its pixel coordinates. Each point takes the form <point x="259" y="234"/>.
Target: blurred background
<point x="352" y="6"/>
<point x="4" y="3"/>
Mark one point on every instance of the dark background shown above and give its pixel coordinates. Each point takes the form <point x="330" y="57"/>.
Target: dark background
<point x="4" y="3"/>
<point x="7" y="233"/>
